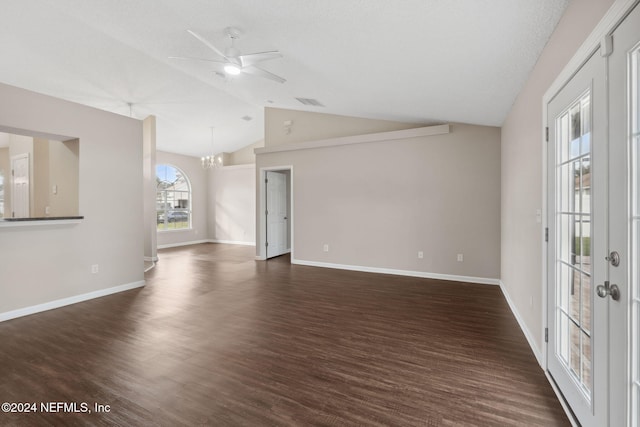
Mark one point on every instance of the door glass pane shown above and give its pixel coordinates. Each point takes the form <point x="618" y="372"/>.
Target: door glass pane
<point x="585" y="145"/>
<point x="565" y="281"/>
<point x="585" y="307"/>
<point x="573" y="247"/>
<point x="563" y="335"/>
<point x="575" y="349"/>
<point x="586" y="362"/>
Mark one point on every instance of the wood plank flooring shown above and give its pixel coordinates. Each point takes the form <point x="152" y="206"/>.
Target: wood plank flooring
<point x="216" y="338"/>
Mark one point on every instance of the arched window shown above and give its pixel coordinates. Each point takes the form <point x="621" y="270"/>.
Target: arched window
<point x="173" y="198"/>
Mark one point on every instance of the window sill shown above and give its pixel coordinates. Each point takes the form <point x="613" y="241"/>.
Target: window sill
<point x="39" y="222"/>
<point x="175" y="230"/>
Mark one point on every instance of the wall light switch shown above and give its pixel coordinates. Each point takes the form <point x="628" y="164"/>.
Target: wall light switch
<point x="460" y="257"/>
<point x="325" y="248"/>
<point x="420" y="254"/>
<point x="55" y="189"/>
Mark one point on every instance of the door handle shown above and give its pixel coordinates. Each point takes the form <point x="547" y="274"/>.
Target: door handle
<point x="607" y="289"/>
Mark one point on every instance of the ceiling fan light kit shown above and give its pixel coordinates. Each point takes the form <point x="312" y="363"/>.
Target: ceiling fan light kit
<point x="232" y="69"/>
<point x="234" y="63"/>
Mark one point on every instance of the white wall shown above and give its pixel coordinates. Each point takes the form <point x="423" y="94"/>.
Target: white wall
<point x="191" y="166"/>
<point x="521" y="165"/>
<point x="232" y="208"/>
<point x="377" y="204"/>
<point x="42" y="264"/>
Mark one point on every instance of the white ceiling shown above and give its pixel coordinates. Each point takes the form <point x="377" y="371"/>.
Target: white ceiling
<point x="420" y="61"/>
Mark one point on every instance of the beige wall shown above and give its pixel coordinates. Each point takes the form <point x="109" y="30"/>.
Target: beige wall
<point x="232" y="208"/>
<point x="521" y="165"/>
<point x="192" y="168"/>
<point x="245" y="155"/>
<point x="309" y="126"/>
<point x="39" y="186"/>
<point x="39" y="265"/>
<point x="64" y="159"/>
<point x="377" y="204"/>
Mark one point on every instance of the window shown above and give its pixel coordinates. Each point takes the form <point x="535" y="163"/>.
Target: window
<point x="173" y="198"/>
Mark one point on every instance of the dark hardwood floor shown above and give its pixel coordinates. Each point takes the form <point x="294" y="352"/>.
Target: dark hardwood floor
<point x="216" y="338"/>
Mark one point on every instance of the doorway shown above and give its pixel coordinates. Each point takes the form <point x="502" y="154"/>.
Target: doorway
<point x="276" y="210"/>
<point x="20" y="186"/>
<point x="592" y="251"/>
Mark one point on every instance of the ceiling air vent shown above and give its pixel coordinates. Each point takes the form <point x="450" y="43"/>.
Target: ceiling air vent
<point x="309" y="101"/>
<point x="247" y="118"/>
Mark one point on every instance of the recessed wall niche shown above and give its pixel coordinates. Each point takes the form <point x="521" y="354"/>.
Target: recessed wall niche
<point x="38" y="175"/>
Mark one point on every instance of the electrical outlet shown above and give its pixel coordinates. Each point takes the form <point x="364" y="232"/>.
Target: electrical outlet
<point x="460" y="257"/>
<point x="95" y="268"/>
<point x="325" y="247"/>
<point x="420" y="254"/>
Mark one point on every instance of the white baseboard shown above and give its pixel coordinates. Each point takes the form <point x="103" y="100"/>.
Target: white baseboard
<point x="8" y="315"/>
<point x="232" y="242"/>
<point x="523" y="327"/>
<point x="151" y="258"/>
<point x="175" y="245"/>
<point x="421" y="274"/>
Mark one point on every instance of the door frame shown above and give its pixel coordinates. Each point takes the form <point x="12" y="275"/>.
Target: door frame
<point x="261" y="253"/>
<point x="599" y="38"/>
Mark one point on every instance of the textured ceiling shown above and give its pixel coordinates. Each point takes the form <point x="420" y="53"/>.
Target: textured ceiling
<point x="420" y="61"/>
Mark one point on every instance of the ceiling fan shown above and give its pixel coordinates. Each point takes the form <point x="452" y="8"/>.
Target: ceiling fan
<point x="235" y="63"/>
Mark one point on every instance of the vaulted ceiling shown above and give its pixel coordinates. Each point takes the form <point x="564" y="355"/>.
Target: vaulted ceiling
<point x="420" y="61"/>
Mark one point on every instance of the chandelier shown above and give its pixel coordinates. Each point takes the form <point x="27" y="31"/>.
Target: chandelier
<point x="209" y="162"/>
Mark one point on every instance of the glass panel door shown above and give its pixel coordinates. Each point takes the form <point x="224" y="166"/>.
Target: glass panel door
<point x="573" y="272"/>
<point x="577" y="171"/>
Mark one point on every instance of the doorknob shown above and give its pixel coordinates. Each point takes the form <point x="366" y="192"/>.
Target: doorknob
<point x="607" y="289"/>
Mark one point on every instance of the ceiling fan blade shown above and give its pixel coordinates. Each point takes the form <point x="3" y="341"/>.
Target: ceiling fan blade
<point x="197" y="59"/>
<point x="254" y="58"/>
<point x="252" y="69"/>
<point x="206" y="43"/>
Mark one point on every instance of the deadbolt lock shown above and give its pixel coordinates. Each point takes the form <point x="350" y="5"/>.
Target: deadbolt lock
<point x="613" y="258"/>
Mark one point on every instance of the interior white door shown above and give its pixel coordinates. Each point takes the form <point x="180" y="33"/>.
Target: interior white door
<point x="624" y="214"/>
<point x="20" y="186"/>
<point x="276" y="185"/>
<point x="577" y="356"/>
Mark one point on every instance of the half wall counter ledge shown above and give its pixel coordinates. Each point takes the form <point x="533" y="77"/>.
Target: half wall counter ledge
<point x="38" y="221"/>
